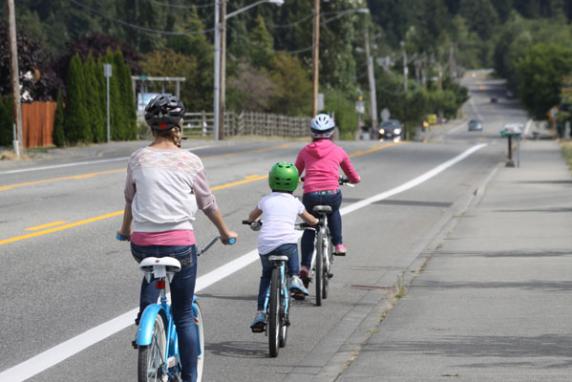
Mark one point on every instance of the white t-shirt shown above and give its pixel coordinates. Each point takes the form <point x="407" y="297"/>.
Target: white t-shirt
<point x="279" y="213"/>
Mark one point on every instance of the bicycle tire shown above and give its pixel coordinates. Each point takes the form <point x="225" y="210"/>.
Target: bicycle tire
<point x="274" y="313"/>
<point x="319" y="273"/>
<point x="283" y="337"/>
<point x="201" y="336"/>
<point x="326" y="269"/>
<point x="150" y="358"/>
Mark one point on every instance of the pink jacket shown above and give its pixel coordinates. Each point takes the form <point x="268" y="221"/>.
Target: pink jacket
<point x="321" y="160"/>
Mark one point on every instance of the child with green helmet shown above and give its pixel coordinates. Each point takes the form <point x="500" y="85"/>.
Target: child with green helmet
<point x="278" y="212"/>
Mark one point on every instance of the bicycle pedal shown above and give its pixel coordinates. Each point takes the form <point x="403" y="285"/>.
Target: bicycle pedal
<point x="339" y="254"/>
<point x="134" y="345"/>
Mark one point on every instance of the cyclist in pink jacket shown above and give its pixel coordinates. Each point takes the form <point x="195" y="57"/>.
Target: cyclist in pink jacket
<point x="320" y="162"/>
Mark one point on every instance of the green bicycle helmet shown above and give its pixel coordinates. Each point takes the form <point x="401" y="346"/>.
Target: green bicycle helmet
<point x="283" y="176"/>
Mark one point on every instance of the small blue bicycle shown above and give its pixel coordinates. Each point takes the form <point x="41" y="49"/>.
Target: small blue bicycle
<point x="156" y="339"/>
<point x="277" y="301"/>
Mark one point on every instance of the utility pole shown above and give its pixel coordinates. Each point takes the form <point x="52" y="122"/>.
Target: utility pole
<point x="405" y="67"/>
<point x="15" y="75"/>
<point x="371" y="78"/>
<point x="316" y="58"/>
<point x="216" y="93"/>
<point x="222" y="88"/>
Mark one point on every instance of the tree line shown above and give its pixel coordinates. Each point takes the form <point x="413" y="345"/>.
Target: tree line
<point x="269" y="50"/>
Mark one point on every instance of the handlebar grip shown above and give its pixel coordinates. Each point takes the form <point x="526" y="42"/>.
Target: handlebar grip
<point x="121" y="237"/>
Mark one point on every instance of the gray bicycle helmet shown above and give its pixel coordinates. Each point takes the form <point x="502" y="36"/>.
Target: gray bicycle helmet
<point x="322" y="126"/>
<point x="164" y="112"/>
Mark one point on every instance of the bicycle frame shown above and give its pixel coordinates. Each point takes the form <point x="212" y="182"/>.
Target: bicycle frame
<point x="284" y="293"/>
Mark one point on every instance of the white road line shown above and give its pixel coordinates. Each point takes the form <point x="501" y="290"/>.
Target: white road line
<point x="61" y="352"/>
<point x="19" y="171"/>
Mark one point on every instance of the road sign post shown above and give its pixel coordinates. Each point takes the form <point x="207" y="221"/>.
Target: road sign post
<point x="107" y="72"/>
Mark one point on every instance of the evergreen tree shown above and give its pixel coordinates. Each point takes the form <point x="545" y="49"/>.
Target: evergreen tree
<point x="127" y="100"/>
<point x="77" y="123"/>
<point x="58" y="134"/>
<point x="6" y="122"/>
<point x="93" y="95"/>
<point x="261" y="45"/>
<point x="117" y="115"/>
<point x="481" y="17"/>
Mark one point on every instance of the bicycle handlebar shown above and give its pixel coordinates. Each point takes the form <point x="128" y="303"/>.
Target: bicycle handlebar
<point x="231" y="241"/>
<point x="254" y="225"/>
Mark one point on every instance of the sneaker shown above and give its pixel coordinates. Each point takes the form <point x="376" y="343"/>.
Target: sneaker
<point x="340" y="250"/>
<point x="297" y="288"/>
<point x="259" y="322"/>
<point x="305" y="276"/>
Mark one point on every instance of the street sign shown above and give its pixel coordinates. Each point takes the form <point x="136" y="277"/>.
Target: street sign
<point x="360" y="107"/>
<point x="321" y="105"/>
<point x="385" y="114"/>
<point x="107" y="70"/>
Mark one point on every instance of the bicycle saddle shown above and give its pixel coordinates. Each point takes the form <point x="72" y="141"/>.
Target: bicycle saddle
<point x="170" y="264"/>
<point x="322" y="209"/>
<point x="278" y="258"/>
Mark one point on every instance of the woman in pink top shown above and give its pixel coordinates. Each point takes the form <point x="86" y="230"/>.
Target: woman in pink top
<point x="320" y="162"/>
<point x="164" y="189"/>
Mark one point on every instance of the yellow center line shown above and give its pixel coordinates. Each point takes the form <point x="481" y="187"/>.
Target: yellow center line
<point x="8" y="187"/>
<point x="361" y="153"/>
<point x="10" y="240"/>
<point x="245" y="180"/>
<point x="47" y="225"/>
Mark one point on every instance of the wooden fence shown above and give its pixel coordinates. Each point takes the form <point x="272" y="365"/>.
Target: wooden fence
<point x="248" y="123"/>
<point x="38" y="123"/>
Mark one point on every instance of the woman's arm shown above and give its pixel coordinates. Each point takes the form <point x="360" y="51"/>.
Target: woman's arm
<point x="125" y="229"/>
<point x="207" y="203"/>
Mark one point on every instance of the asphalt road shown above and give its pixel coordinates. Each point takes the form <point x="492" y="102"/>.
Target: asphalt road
<point x="64" y="274"/>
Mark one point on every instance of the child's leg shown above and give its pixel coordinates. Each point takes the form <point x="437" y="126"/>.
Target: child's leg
<point x="264" y="280"/>
<point x="291" y="250"/>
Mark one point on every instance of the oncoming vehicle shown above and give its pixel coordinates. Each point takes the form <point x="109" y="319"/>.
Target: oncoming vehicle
<point x="391" y="130"/>
<point x="475" y="125"/>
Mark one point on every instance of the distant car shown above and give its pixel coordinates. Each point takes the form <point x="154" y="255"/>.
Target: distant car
<point x="494" y="99"/>
<point x="391" y="130"/>
<point x="475" y="125"/>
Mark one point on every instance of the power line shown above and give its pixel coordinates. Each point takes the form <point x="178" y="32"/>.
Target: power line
<point x="139" y="27"/>
<point x="182" y="6"/>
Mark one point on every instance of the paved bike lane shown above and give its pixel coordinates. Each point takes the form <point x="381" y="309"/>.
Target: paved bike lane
<point x="493" y="302"/>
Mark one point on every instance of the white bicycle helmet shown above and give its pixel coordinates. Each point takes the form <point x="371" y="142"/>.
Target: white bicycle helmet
<point x="322" y="126"/>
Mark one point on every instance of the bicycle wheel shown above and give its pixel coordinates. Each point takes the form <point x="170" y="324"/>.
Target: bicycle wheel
<point x="201" y="337"/>
<point x="319" y="273"/>
<point x="327" y="249"/>
<point x="274" y="313"/>
<point x="150" y="358"/>
<point x="284" y="321"/>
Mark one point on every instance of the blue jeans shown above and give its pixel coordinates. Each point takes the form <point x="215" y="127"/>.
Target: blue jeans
<point x="290" y="250"/>
<point x="182" y="291"/>
<point x="310" y="200"/>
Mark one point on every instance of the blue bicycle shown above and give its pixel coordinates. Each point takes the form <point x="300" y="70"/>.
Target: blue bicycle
<point x="277" y="301"/>
<point x="156" y="339"/>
